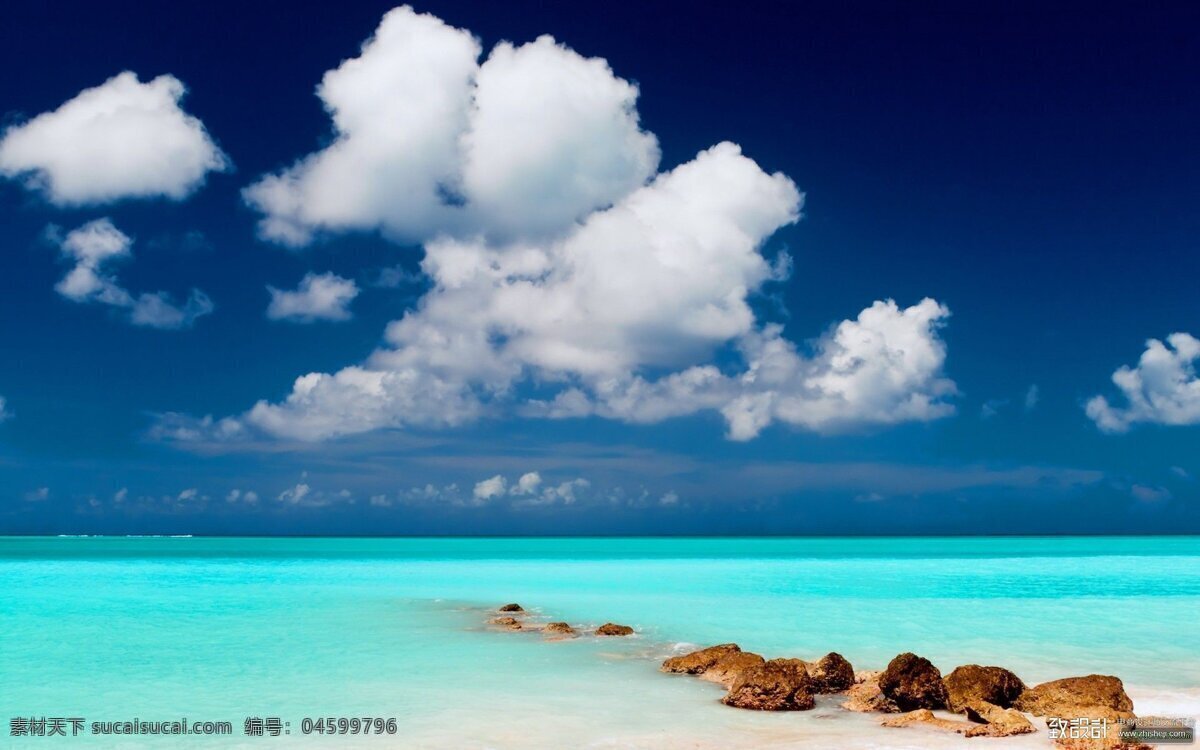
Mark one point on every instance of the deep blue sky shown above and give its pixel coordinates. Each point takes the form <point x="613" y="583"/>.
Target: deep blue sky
<point x="1033" y="168"/>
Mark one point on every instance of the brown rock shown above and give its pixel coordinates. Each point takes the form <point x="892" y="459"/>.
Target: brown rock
<point x="865" y="696"/>
<point x="727" y="669"/>
<point x="972" y="683"/>
<point x="558" y="628"/>
<point x="698" y="662"/>
<point x="995" y="721"/>
<point x="831" y="674"/>
<point x="506" y="622"/>
<point x="511" y="608"/>
<point x="611" y="628"/>
<point x="913" y="682"/>
<point x="1094" y="696"/>
<point x="776" y="685"/>
<point x="924" y="717"/>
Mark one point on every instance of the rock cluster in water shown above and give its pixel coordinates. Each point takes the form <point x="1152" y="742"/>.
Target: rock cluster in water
<point x="514" y="617"/>
<point x="984" y="701"/>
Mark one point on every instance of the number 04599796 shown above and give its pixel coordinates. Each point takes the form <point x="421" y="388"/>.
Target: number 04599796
<point x="348" y="725"/>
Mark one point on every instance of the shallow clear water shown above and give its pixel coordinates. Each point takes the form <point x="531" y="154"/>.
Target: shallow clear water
<point x="221" y="629"/>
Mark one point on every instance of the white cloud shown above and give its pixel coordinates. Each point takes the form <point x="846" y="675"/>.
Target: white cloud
<point x="122" y="139"/>
<point x="39" y="495"/>
<point x="325" y="296"/>
<point x="1181" y="472"/>
<point x="1162" y="389"/>
<point x="1032" y="396"/>
<point x="552" y="137"/>
<point x="120" y="495"/>
<point x="528" y="484"/>
<point x="882" y="368"/>
<point x="248" y="497"/>
<point x="528" y="490"/>
<point x="96" y="245"/>
<point x="295" y="495"/>
<point x="427" y="140"/>
<point x="558" y="263"/>
<point x="489" y="488"/>
<point x="5" y="414"/>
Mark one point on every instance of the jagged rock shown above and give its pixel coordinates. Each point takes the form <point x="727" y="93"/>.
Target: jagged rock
<point x="924" y="717"/>
<point x="995" y="721"/>
<point x="972" y="683"/>
<point x="511" y="608"/>
<point x="611" y="628"/>
<point x="865" y="696"/>
<point x="698" y="662"/>
<point x="776" y="685"/>
<point x="559" y="629"/>
<point x="1093" y="696"/>
<point x="913" y="682"/>
<point x="831" y="674"/>
<point x="506" y="622"/>
<point x="727" y="669"/>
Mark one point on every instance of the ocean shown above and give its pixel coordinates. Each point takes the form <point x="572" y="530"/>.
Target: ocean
<point x="288" y="631"/>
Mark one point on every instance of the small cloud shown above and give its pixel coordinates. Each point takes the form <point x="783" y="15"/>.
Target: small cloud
<point x="1148" y="494"/>
<point x="92" y="248"/>
<point x="1181" y="472"/>
<point x="489" y="488"/>
<point x="669" y="499"/>
<point x="992" y="407"/>
<point x="1031" y="397"/>
<point x="247" y="497"/>
<point x="303" y="495"/>
<point x="324" y="296"/>
<point x="1163" y="388"/>
<point x="38" y="495"/>
<point x="394" y="277"/>
<point x="121" y="139"/>
<point x="528" y="484"/>
<point x="5" y="414"/>
<point x="295" y="495"/>
<point x="869" y="497"/>
<point x="120" y="495"/>
<point x="189" y="494"/>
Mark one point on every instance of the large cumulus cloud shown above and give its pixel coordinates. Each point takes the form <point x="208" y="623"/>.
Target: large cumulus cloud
<point x="558" y="256"/>
<point x="428" y="140"/>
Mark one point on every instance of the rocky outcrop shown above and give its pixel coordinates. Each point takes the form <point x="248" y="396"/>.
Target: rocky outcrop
<point x="611" y="628"/>
<point x="775" y="685"/>
<point x="865" y="696"/>
<point x="511" y="608"/>
<point x="560" y="629"/>
<point x="727" y="669"/>
<point x="912" y="682"/>
<point x="831" y="674"/>
<point x="972" y="683"/>
<point x="995" y="721"/>
<point x="698" y="662"/>
<point x="924" y="717"/>
<point x="1093" y="696"/>
<point x="511" y="623"/>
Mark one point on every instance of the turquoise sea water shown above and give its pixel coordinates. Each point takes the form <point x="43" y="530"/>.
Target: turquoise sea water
<point x="220" y="629"/>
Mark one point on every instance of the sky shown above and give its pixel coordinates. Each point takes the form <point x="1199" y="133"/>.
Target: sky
<point x="560" y="268"/>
